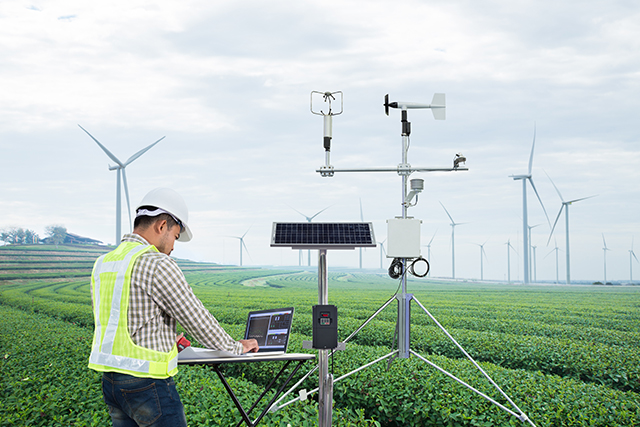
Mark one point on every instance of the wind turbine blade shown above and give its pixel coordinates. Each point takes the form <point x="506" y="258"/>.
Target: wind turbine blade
<point x="634" y="255"/>
<point x="308" y="219"/>
<point x="433" y="237"/>
<point x="246" y="249"/>
<point x="245" y="233"/>
<point x="532" y="148"/>
<point x="577" y="200"/>
<point x="445" y="209"/>
<point x="361" y="216"/>
<point x="107" y="152"/>
<point x="555" y="223"/>
<point x="318" y="213"/>
<point x="539" y="199"/>
<point x="141" y="152"/>
<point x="604" y="242"/>
<point x="554" y="186"/>
<point x="126" y="193"/>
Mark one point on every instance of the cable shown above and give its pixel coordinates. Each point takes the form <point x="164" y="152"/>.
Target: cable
<point x="412" y="267"/>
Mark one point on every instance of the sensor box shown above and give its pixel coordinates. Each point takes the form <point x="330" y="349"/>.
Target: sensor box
<point x="403" y="238"/>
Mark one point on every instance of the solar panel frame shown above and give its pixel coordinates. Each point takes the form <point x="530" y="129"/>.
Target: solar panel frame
<point x="323" y="235"/>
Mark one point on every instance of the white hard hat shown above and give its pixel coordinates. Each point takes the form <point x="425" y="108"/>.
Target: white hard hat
<point x="170" y="201"/>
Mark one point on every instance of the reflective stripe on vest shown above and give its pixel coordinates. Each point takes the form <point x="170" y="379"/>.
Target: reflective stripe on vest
<point x="112" y="349"/>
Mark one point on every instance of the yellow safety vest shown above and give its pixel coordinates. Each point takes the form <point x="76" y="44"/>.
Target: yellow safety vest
<point x="113" y="350"/>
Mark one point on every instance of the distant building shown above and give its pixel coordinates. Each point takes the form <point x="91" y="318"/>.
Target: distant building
<point x="74" y="239"/>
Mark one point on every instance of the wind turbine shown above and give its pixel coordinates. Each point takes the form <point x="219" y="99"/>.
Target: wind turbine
<point x="242" y="244"/>
<point x="532" y="251"/>
<point x="309" y="219"/>
<point x="565" y="206"/>
<point x="382" y="249"/>
<point x="524" y="179"/>
<point x="429" y="249"/>
<point x="631" y="253"/>
<point x="556" y="251"/>
<point x="605" y="249"/>
<point x="509" y="247"/>
<point x="482" y="252"/>
<point x="120" y="167"/>
<point x="453" y="247"/>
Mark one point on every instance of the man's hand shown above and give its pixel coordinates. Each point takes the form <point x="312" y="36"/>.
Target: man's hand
<point x="249" y="346"/>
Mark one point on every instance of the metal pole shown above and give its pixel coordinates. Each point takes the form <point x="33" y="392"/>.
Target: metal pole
<point x="325" y="379"/>
<point x="566" y="227"/>
<point x="525" y="232"/>
<point x="404" y="299"/>
<point x="118" y="211"/>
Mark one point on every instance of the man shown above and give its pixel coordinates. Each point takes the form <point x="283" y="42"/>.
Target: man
<point x="139" y="294"/>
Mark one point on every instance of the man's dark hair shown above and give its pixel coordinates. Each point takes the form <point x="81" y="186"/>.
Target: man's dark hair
<point x="145" y="221"/>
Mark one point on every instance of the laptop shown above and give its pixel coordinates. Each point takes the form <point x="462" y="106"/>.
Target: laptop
<point x="271" y="328"/>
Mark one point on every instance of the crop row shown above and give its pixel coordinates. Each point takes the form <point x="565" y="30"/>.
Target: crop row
<point x="612" y="365"/>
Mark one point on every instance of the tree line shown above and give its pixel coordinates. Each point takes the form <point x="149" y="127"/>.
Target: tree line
<point x="21" y="236"/>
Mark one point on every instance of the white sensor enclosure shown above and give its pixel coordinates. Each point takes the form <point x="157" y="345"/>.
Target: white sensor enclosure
<point x="403" y="238"/>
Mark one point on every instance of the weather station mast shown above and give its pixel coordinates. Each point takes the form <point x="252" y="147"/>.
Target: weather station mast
<point x="403" y="245"/>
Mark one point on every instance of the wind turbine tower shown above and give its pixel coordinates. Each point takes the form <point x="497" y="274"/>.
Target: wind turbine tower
<point x="631" y="254"/>
<point x="453" y="246"/>
<point x="482" y="253"/>
<point x="565" y="206"/>
<point x="509" y="247"/>
<point x="525" y="240"/>
<point x="120" y="167"/>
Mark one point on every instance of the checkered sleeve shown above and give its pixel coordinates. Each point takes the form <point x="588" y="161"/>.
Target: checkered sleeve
<point x="176" y="298"/>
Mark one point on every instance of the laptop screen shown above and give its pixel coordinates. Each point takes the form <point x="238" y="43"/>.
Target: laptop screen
<point x="271" y="328"/>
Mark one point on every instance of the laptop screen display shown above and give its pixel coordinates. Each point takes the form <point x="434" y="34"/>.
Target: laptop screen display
<point x="271" y="328"/>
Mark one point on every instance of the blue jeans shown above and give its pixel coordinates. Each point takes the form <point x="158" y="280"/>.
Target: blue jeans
<point x="143" y="402"/>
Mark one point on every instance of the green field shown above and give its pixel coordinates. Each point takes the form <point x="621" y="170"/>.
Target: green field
<point x="566" y="355"/>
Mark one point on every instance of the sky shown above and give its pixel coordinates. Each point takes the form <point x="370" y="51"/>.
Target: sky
<point x="228" y="84"/>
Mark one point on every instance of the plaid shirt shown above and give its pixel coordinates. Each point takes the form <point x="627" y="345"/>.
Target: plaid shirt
<point x="160" y="296"/>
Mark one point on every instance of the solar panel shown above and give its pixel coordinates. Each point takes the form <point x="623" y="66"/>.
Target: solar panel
<point x="322" y="235"/>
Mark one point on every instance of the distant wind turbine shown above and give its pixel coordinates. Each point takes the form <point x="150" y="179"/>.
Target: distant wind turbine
<point x="565" y="206"/>
<point x="509" y="247"/>
<point x="309" y="219"/>
<point x="453" y="247"/>
<point x="556" y="251"/>
<point x="120" y="167"/>
<point x="382" y="249"/>
<point x="524" y="179"/>
<point x="242" y="244"/>
<point x="631" y="253"/>
<point x="532" y="250"/>
<point x="429" y="250"/>
<point x="605" y="249"/>
<point x="482" y="252"/>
